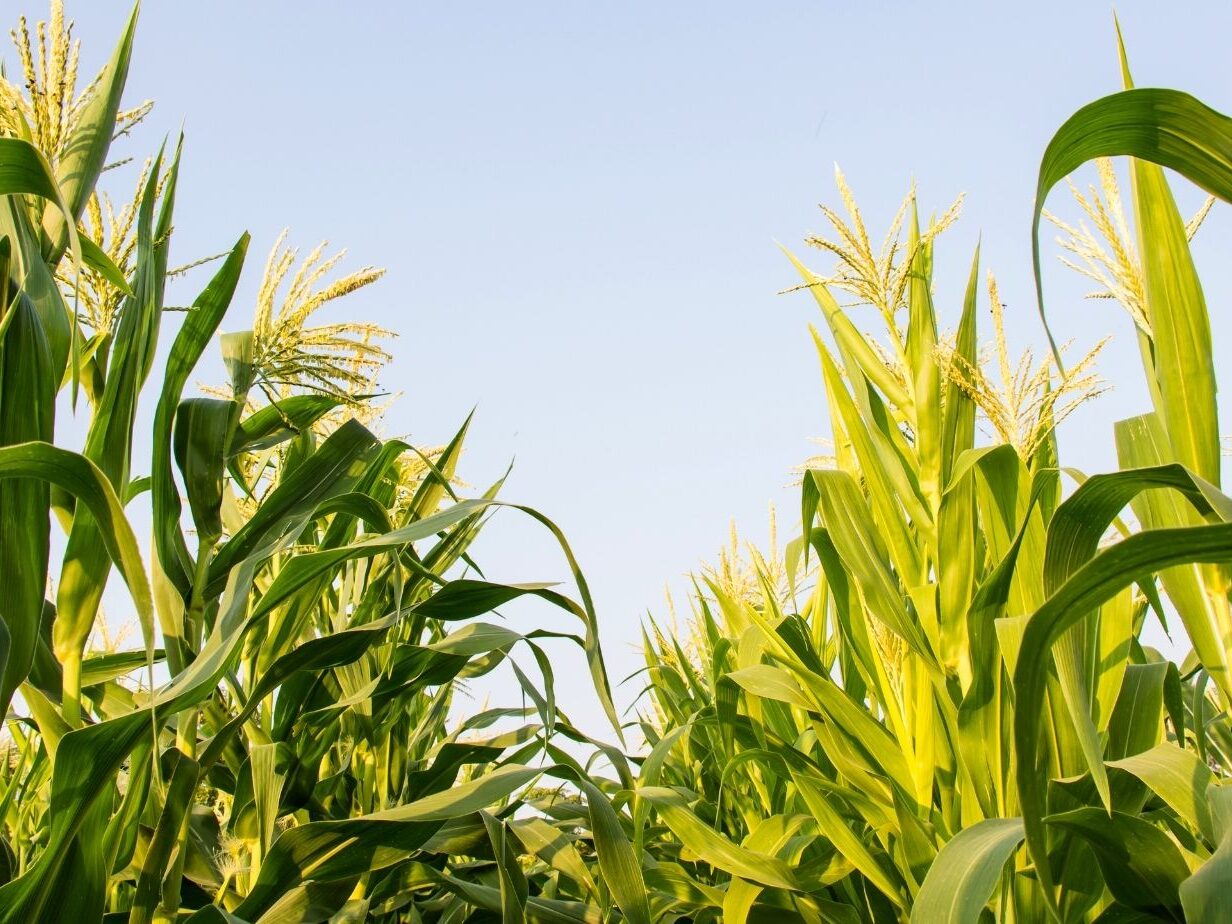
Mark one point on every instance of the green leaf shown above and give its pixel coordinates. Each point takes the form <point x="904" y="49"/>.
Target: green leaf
<point x="513" y="886"/>
<point x="27" y="267"/>
<point x="329" y="471"/>
<point x="180" y="790"/>
<point x="315" y="851"/>
<point x="1142" y="442"/>
<point x="475" y="639"/>
<point x="466" y="598"/>
<point x="108" y="444"/>
<point x="958" y="406"/>
<point x="316" y="654"/>
<point x="1183" y="358"/>
<point x="303" y="568"/>
<point x="1141" y="865"/>
<point x="835" y="829"/>
<point x="712" y="847"/>
<point x="1137" y="722"/>
<point x="771" y="835"/>
<point x="556" y="848"/>
<point x="849" y="338"/>
<point x="896" y="507"/>
<point x="85" y="151"/>
<point x="966" y="871"/>
<point x="844" y="514"/>
<point x="436" y="485"/>
<point x="1074" y="534"/>
<point x="1091" y="586"/>
<point x="79" y="477"/>
<point x="25" y="171"/>
<point x="955" y="515"/>
<point x="540" y="910"/>
<point x="1178" y="777"/>
<point x="276" y="423"/>
<point x="1079" y="524"/>
<point x="108" y="666"/>
<point x="203" y="428"/>
<point x="1204" y="895"/>
<point x="96" y="258"/>
<point x="27" y="412"/>
<point x="617" y="862"/>
<point x="88" y="758"/>
<point x="1165" y="127"/>
<point x="771" y="683"/>
<point x="190" y="341"/>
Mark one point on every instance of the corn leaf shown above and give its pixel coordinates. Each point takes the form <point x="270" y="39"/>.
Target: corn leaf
<point x="1089" y="587"/>
<point x="966" y="871"/>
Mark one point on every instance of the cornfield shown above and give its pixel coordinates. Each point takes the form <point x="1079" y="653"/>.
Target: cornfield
<point x="935" y="704"/>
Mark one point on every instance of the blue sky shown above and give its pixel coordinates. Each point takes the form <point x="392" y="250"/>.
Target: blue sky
<point x="578" y="204"/>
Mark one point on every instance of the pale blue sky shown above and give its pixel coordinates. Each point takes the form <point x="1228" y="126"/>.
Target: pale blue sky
<point x="578" y="205"/>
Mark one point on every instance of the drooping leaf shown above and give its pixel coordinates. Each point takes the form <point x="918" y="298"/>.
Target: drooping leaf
<point x="1089" y="587"/>
<point x="1141" y="865"/>
<point x="1165" y="127"/>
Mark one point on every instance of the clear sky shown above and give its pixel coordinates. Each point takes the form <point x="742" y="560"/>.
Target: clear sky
<point x="578" y="204"/>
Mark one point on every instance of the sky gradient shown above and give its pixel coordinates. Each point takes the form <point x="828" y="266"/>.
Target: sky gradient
<point x="579" y="205"/>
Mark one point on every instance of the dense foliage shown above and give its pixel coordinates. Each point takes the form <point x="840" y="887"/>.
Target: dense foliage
<point x="283" y="741"/>
<point x="936" y="705"/>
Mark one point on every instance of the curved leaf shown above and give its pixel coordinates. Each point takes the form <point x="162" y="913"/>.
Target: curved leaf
<point x="1165" y="127"/>
<point x="1178" y="777"/>
<point x="314" y="851"/>
<point x="1141" y="865"/>
<point x="1089" y="587"/>
<point x="965" y="872"/>
<point x="198" y="328"/>
<point x="81" y="478"/>
<point x="1204" y="895"/>
<point x="713" y="847"/>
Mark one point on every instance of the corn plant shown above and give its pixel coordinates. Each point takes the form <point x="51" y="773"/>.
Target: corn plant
<point x="956" y="719"/>
<point x="935" y="706"/>
<point x="282" y="746"/>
